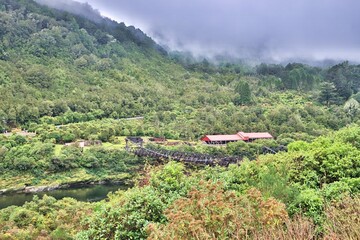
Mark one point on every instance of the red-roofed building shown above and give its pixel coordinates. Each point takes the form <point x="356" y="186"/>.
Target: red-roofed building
<point x="240" y="136"/>
<point x="254" y="136"/>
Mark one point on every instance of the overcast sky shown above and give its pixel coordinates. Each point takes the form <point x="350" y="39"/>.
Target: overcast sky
<point x="265" y="29"/>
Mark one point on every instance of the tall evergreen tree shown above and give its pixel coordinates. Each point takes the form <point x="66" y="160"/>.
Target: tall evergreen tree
<point x="328" y="94"/>
<point x="244" y="91"/>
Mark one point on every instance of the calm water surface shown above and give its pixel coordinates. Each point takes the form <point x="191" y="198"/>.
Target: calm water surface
<point x="82" y="193"/>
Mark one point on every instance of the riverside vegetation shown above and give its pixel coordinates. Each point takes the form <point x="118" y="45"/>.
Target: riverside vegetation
<point x="68" y="78"/>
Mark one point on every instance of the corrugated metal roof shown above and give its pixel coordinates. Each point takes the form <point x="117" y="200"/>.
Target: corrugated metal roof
<point x="258" y="135"/>
<point x="233" y="137"/>
<point x="237" y="137"/>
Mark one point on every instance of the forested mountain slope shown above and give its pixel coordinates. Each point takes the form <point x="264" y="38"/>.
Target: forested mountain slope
<point x="75" y="64"/>
<point x="60" y="68"/>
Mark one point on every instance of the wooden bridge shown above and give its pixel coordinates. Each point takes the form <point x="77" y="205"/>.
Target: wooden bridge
<point x="135" y="146"/>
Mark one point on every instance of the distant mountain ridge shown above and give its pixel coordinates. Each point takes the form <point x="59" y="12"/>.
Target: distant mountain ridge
<point x="81" y="9"/>
<point x="87" y="11"/>
<point x="138" y="36"/>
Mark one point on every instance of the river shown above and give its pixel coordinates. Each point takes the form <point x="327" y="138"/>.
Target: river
<point x="90" y="193"/>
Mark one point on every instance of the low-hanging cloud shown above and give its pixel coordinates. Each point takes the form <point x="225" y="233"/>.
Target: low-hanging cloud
<point x="254" y="29"/>
<point x="75" y="7"/>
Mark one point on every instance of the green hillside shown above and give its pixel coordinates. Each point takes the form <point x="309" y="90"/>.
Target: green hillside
<point x="55" y="64"/>
<point x="64" y="78"/>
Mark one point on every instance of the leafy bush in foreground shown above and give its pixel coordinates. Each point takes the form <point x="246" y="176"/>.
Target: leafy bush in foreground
<point x="211" y="213"/>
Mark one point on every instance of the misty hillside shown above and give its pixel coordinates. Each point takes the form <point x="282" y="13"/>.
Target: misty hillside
<point x="77" y="8"/>
<point x="118" y="30"/>
<point x="62" y="68"/>
<point x="50" y="53"/>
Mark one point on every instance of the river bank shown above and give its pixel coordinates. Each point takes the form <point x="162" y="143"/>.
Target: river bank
<point x="31" y="184"/>
<point x="91" y="192"/>
<point x="39" y="189"/>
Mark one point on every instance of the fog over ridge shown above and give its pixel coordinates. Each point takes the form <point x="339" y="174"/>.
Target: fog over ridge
<point x="251" y="29"/>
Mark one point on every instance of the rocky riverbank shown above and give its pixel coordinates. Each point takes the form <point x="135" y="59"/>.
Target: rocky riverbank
<point x="37" y="189"/>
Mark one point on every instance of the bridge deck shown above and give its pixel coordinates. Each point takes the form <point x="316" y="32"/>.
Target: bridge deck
<point x="196" y="158"/>
<point x="135" y="145"/>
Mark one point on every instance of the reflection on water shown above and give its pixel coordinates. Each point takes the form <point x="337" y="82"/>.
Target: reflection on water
<point x="81" y="193"/>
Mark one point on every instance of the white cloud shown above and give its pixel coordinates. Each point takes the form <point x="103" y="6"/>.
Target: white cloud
<point x="266" y="29"/>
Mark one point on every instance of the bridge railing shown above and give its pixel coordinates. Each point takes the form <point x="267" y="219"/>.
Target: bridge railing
<point x="135" y="145"/>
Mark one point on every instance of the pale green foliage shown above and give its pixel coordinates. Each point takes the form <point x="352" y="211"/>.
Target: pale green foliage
<point x="298" y="146"/>
<point x="44" y="217"/>
<point x="310" y="203"/>
<point x="336" y="190"/>
<point x="170" y="178"/>
<point x="352" y="107"/>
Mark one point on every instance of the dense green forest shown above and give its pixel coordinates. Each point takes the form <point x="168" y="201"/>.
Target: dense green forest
<point x="67" y="78"/>
<point x="311" y="191"/>
<point x="62" y="67"/>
